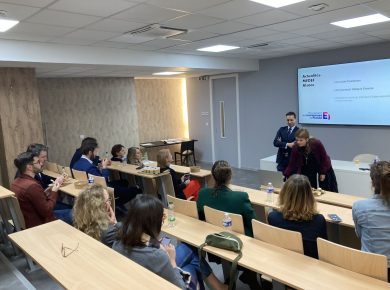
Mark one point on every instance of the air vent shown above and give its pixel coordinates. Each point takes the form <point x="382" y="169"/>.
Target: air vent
<point x="257" y="45"/>
<point x="156" y="31"/>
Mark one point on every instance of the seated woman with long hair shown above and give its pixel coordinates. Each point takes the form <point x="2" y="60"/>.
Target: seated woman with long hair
<point x="298" y="212"/>
<point x="93" y="215"/>
<point x="139" y="240"/>
<point x="184" y="188"/>
<point x="134" y="156"/>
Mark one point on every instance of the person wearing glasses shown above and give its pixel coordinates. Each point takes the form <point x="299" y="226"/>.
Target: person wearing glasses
<point x="36" y="203"/>
<point x="93" y="215"/>
<point x="139" y="240"/>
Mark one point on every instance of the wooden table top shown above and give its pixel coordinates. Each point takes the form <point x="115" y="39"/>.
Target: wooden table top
<point x="335" y="198"/>
<point x="4" y="193"/>
<point x="287" y="267"/>
<point x="131" y="169"/>
<point x="259" y="197"/>
<point x="92" y="266"/>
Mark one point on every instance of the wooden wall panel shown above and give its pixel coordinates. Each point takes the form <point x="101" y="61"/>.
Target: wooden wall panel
<point x="160" y="109"/>
<point x="104" y="108"/>
<point x="20" y="115"/>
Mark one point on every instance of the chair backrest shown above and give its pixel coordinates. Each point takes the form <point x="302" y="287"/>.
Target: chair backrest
<point x="365" y="158"/>
<point x="67" y="170"/>
<point x="99" y="180"/>
<point x="215" y="217"/>
<point x="187" y="146"/>
<point x="51" y="166"/>
<point x="365" y="263"/>
<point x="286" y="239"/>
<point x="166" y="180"/>
<point x="80" y="175"/>
<point x="186" y="207"/>
<point x="18" y="211"/>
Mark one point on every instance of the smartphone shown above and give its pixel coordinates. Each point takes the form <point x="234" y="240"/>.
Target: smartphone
<point x="165" y="241"/>
<point x="334" y="217"/>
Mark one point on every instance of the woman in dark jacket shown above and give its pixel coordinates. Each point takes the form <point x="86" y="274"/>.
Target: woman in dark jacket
<point x="309" y="157"/>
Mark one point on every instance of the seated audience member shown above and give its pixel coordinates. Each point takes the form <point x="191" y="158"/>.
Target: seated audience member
<point x="138" y="240"/>
<point x="77" y="154"/>
<point x="164" y="161"/>
<point x="41" y="151"/>
<point x="93" y="215"/>
<point x="36" y="204"/>
<point x="298" y="213"/>
<point x="134" y="156"/>
<point x="221" y="197"/>
<point x="118" y="153"/>
<point x="90" y="151"/>
<point x="372" y="216"/>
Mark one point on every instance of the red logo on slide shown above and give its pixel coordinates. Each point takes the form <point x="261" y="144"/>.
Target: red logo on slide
<point x="325" y="116"/>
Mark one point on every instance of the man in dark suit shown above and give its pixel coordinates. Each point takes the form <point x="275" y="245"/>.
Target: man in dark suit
<point x="284" y="140"/>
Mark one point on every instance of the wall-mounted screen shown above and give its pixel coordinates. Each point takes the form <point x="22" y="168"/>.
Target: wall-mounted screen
<point x="345" y="94"/>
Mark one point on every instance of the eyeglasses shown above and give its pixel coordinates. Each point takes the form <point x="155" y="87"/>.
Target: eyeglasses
<point x="66" y="251"/>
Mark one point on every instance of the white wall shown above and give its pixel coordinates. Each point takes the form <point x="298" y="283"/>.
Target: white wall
<point x="266" y="95"/>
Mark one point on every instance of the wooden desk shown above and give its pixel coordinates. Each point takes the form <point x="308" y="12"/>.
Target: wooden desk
<point x="131" y="169"/>
<point x="167" y="142"/>
<point x="9" y="209"/>
<point x="92" y="266"/>
<point x="259" y="197"/>
<point x="284" y="266"/>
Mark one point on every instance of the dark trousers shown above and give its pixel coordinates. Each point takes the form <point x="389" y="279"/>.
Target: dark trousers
<point x="122" y="192"/>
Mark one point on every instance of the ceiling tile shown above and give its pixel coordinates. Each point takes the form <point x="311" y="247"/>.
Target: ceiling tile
<point x="302" y="7"/>
<point x="266" y="18"/>
<point x="40" y="29"/>
<point x="111" y="44"/>
<point x="235" y="9"/>
<point x="317" y="29"/>
<point x="254" y="33"/>
<point x="130" y="39"/>
<point x="91" y="35"/>
<point x="31" y="3"/>
<point x="195" y="35"/>
<point x="72" y="41"/>
<point x="186" y="5"/>
<point x="163" y="43"/>
<point x="192" y="21"/>
<point x="148" y="14"/>
<point x="101" y="8"/>
<point x="51" y="17"/>
<point x="113" y="25"/>
<point x="380" y="6"/>
<point x="18" y="12"/>
<point x="298" y="39"/>
<point x="25" y="37"/>
<point x="227" y="27"/>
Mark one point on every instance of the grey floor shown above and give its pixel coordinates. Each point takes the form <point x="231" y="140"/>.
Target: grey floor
<point x="13" y="271"/>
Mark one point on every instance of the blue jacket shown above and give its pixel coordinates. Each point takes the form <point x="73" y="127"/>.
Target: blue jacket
<point x="281" y="139"/>
<point x="77" y="155"/>
<point x="84" y="165"/>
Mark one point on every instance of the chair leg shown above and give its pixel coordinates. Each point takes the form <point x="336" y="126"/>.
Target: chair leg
<point x="193" y="155"/>
<point x="175" y="158"/>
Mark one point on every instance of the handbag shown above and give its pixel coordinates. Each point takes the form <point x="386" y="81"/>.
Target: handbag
<point x="227" y="241"/>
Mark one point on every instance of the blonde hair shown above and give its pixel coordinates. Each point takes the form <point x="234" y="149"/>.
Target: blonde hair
<point x="302" y="133"/>
<point x="162" y="157"/>
<point x="89" y="212"/>
<point x="296" y="199"/>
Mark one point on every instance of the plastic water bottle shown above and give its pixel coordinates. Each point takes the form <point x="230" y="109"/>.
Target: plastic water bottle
<point x="270" y="192"/>
<point x="171" y="215"/>
<point x="227" y="221"/>
<point x="90" y="180"/>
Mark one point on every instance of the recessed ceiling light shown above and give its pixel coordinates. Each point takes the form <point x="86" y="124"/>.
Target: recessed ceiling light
<point x="360" y="21"/>
<point x="218" y="48"/>
<point x="6" y="24"/>
<point x="167" y="73"/>
<point x="277" y="3"/>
